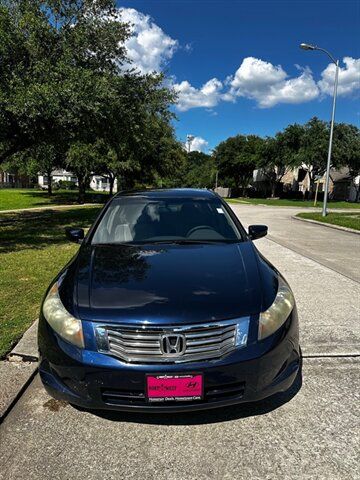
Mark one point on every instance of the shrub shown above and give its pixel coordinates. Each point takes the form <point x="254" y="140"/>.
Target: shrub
<point x="65" y="185"/>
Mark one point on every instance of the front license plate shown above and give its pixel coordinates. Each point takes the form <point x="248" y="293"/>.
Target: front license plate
<point x="179" y="388"/>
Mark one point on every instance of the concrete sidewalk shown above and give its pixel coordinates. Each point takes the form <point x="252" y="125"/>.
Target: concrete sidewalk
<point x="18" y="369"/>
<point x="328" y="302"/>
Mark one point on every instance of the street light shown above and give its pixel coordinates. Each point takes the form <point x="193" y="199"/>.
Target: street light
<point x="189" y="140"/>
<point x="306" y="46"/>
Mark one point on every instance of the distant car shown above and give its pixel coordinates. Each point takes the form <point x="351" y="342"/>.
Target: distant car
<point x="167" y="306"/>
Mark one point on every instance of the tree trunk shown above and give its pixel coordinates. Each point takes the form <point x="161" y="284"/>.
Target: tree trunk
<point x="49" y="189"/>
<point x="311" y="187"/>
<point x="111" y="181"/>
<point x="82" y="189"/>
<point x="273" y="189"/>
<point x="357" y="196"/>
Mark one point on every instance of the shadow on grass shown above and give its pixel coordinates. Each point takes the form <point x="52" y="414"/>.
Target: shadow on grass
<point x="65" y="197"/>
<point x="224" y="414"/>
<point x="37" y="230"/>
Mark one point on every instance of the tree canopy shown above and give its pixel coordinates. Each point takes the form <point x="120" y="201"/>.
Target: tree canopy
<point x="236" y="159"/>
<point x="63" y="82"/>
<point x="68" y="99"/>
<point x="304" y="146"/>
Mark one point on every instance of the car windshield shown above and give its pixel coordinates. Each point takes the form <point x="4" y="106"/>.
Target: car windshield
<point x="165" y="220"/>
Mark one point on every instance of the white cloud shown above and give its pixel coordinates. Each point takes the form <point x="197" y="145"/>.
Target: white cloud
<point x="349" y="77"/>
<point x="207" y="96"/>
<point x="149" y="48"/>
<point x="198" y="144"/>
<point x="256" y="75"/>
<point x="295" y="90"/>
<point x="269" y="84"/>
<point x="255" y="79"/>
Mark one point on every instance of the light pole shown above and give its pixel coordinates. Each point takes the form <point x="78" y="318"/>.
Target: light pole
<point x="306" y="46"/>
<point x="189" y="140"/>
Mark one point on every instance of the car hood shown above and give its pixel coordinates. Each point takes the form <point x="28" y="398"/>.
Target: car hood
<point x="167" y="284"/>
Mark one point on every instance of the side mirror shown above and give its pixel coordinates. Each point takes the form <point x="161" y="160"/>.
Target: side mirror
<point x="257" y="231"/>
<point x="74" y="234"/>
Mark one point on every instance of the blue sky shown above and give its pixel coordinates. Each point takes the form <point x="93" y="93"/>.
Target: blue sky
<point x="237" y="65"/>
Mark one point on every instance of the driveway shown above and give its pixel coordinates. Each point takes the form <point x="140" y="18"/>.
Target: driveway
<point x="310" y="432"/>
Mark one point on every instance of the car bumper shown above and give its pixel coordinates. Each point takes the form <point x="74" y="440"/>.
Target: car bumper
<point x="115" y="385"/>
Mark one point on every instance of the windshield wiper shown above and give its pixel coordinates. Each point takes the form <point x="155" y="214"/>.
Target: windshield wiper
<point x="187" y="241"/>
<point x="116" y="244"/>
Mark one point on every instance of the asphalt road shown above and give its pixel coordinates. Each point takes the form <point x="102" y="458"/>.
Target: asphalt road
<point x="311" y="432"/>
<point x="316" y="242"/>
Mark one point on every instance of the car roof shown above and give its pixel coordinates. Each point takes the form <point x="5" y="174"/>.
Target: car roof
<point x="194" y="193"/>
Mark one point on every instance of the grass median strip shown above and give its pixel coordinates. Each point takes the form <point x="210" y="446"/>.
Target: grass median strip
<point x="283" y="202"/>
<point x="347" y="219"/>
<point x="33" y="248"/>
<point x="18" y="198"/>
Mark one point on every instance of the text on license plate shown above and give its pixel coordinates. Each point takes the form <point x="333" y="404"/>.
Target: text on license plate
<point x="181" y="387"/>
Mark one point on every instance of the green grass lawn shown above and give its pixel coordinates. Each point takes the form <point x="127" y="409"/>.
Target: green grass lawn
<point x="283" y="202"/>
<point x="349" y="220"/>
<point x="33" y="248"/>
<point x="17" y="198"/>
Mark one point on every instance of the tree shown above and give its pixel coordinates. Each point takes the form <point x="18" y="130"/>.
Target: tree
<point x="346" y="151"/>
<point x="56" y="58"/>
<point x="138" y="130"/>
<point x="279" y="154"/>
<point x="162" y="155"/>
<point x="63" y="82"/>
<point x="39" y="160"/>
<point x="83" y="159"/>
<point x="313" y="149"/>
<point x="201" y="170"/>
<point x="314" y="145"/>
<point x="236" y="158"/>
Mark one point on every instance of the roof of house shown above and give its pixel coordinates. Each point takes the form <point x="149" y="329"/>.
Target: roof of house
<point x="341" y="175"/>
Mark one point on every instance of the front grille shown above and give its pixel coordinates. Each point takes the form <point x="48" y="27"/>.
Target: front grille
<point x="145" y="345"/>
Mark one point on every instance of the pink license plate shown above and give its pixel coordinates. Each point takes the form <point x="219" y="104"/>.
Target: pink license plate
<point x="167" y="388"/>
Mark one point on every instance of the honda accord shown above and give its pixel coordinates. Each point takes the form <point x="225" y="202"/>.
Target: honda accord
<point x="167" y="306"/>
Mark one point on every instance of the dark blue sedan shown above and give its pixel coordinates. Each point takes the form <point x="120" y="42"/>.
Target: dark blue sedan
<point x="167" y="306"/>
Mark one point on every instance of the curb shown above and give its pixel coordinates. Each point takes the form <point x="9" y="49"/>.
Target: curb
<point x="18" y="370"/>
<point x="329" y="225"/>
<point x="26" y="349"/>
<point x="297" y="207"/>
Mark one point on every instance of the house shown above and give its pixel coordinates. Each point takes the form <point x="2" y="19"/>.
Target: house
<point x="57" y="176"/>
<point x="14" y="180"/>
<point x="99" y="183"/>
<point x="292" y="180"/>
<point x="343" y="186"/>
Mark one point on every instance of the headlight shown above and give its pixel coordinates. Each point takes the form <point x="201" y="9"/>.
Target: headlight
<point x="278" y="312"/>
<point x="68" y="327"/>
